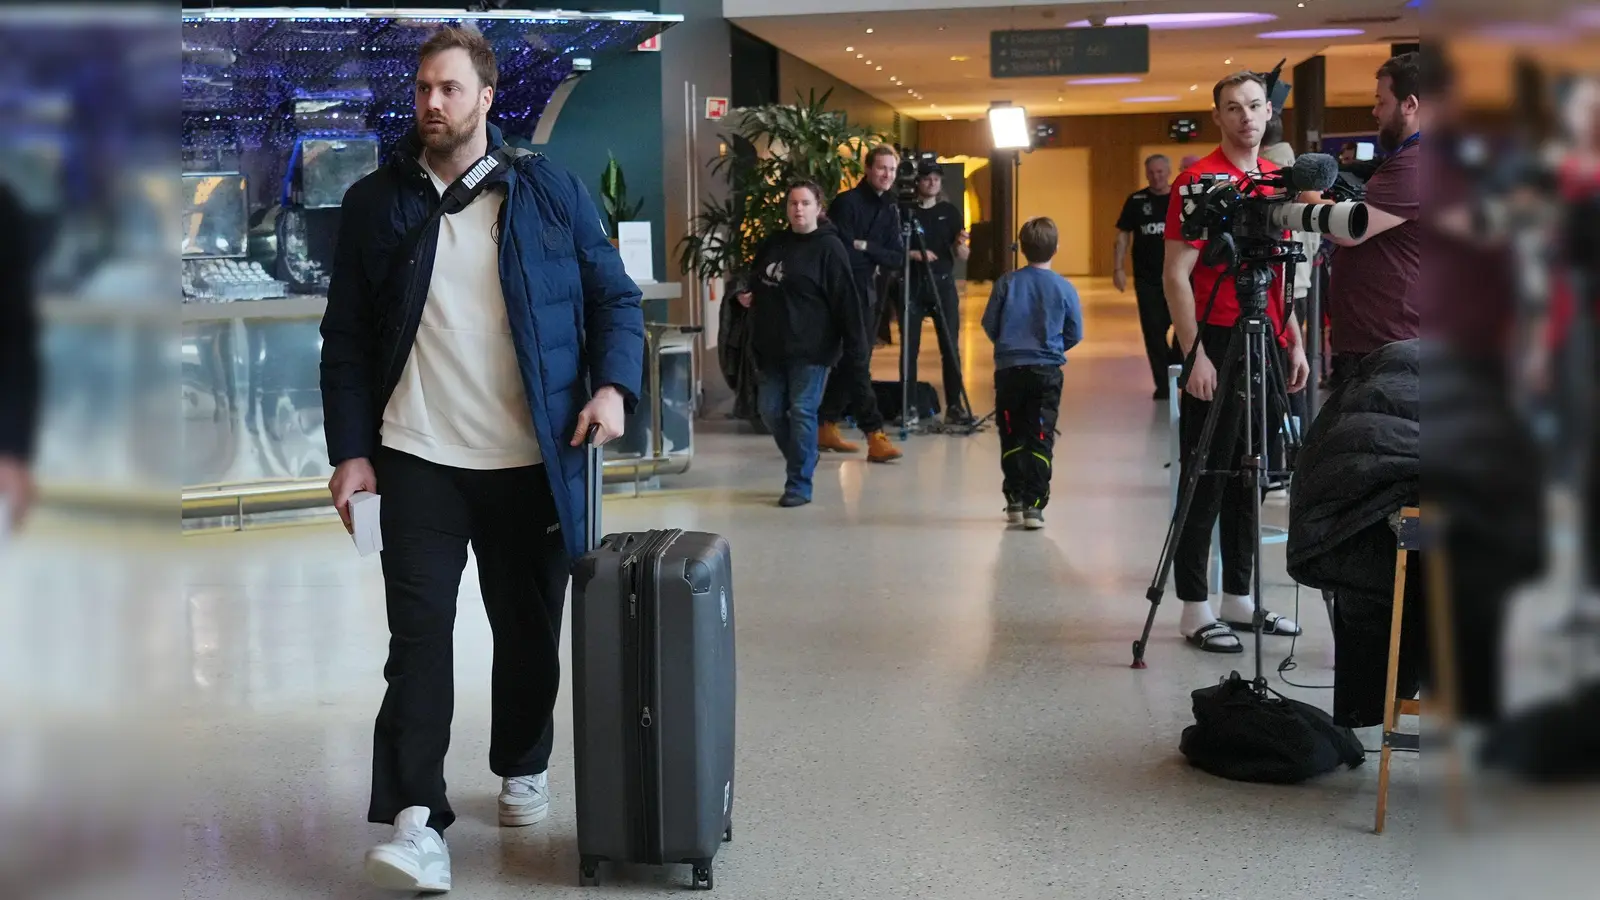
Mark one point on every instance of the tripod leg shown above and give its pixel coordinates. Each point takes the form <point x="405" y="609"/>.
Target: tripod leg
<point x="1257" y="440"/>
<point x="948" y="354"/>
<point x="1198" y="458"/>
<point x="905" y="356"/>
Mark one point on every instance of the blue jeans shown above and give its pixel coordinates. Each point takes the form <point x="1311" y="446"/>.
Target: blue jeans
<point x="789" y="397"/>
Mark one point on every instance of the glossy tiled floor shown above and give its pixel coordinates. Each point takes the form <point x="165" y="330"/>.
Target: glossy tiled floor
<point x="930" y="706"/>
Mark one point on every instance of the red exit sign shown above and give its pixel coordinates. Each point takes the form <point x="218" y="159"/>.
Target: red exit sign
<point x="651" y="46"/>
<point x="716" y="107"/>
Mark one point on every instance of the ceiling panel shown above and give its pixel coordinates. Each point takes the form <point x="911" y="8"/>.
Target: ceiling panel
<point x="943" y="55"/>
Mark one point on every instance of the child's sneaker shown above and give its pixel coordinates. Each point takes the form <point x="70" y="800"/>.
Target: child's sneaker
<point x="1013" y="513"/>
<point x="1033" y="519"/>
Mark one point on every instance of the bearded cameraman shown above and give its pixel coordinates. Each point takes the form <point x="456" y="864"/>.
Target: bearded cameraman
<point x="1241" y="113"/>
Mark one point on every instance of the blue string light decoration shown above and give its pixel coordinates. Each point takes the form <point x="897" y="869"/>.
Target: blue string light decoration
<point x="245" y="79"/>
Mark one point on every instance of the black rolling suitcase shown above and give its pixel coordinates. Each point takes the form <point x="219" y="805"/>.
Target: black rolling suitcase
<point x="653" y="696"/>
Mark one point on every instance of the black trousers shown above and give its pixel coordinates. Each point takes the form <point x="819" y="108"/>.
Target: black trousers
<point x="1219" y="495"/>
<point x="430" y="513"/>
<point x="1027" y="401"/>
<point x="849" y="389"/>
<point x="922" y="301"/>
<point x="1155" y="320"/>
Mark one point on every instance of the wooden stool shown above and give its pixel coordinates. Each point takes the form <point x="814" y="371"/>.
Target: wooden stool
<point x="1441" y="647"/>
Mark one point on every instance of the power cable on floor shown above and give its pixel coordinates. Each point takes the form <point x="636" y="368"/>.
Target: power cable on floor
<point x="1289" y="664"/>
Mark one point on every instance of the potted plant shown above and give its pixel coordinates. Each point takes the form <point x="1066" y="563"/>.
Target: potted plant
<point x="614" y="197"/>
<point x="772" y="146"/>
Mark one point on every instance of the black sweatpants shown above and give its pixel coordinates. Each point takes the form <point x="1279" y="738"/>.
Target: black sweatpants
<point x="430" y="513"/>
<point x="1027" y="401"/>
<point x="1155" y="320"/>
<point x="922" y="308"/>
<point x="1217" y="495"/>
<point x="849" y="388"/>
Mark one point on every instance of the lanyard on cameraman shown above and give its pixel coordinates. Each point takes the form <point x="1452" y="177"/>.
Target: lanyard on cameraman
<point x="1412" y="141"/>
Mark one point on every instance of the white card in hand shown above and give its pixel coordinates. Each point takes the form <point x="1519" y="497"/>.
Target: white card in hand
<point x="364" y="521"/>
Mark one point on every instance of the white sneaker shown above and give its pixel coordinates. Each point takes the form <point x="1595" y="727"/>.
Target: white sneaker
<point x="524" y="800"/>
<point x="415" y="859"/>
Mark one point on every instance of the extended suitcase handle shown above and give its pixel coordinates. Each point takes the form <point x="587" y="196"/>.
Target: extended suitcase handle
<point x="594" y="485"/>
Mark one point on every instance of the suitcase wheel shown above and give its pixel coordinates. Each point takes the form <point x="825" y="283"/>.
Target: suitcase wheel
<point x="589" y="875"/>
<point x="727" y="836"/>
<point x="703" y="878"/>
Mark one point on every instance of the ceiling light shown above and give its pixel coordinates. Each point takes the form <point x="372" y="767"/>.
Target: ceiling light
<point x="869" y="31"/>
<point x="1194" y="87"/>
<point x="1228" y="61"/>
<point x="910" y="91"/>
<point x="1302" y="6"/>
<point x="879" y="69"/>
<point x="869" y="62"/>
<point x="861" y="56"/>
<point x="849" y="49"/>
<point x="1174" y="21"/>
<point x="959" y="58"/>
<point x="1309" y="33"/>
<point x="1060" y="99"/>
<point x="1008" y="125"/>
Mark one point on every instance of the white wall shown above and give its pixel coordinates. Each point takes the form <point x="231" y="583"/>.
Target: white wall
<point x="1055" y="183"/>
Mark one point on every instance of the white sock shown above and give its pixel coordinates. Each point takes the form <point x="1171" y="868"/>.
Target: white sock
<point x="1236" y="608"/>
<point x="1195" y="617"/>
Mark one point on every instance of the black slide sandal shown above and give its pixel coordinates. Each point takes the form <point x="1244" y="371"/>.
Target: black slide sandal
<point x="1270" y="626"/>
<point x="1213" y="639"/>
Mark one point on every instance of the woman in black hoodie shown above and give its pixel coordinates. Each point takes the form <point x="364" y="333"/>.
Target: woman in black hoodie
<point x="804" y="311"/>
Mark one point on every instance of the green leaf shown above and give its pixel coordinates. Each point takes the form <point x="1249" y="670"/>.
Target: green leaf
<point x="802" y="141"/>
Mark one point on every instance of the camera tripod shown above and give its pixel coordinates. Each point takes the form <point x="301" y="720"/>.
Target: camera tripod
<point x="910" y="234"/>
<point x="1252" y="356"/>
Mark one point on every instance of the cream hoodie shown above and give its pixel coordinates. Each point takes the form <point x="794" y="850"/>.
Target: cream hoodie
<point x="460" y="401"/>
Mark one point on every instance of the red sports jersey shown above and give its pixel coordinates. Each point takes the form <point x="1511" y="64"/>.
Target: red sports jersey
<point x="1225" y="311"/>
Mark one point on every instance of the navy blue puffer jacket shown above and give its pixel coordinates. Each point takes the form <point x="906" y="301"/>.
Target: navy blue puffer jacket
<point x="575" y="314"/>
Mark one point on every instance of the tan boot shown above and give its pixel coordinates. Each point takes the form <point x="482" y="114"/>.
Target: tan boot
<point x="830" y="438"/>
<point x="880" y="449"/>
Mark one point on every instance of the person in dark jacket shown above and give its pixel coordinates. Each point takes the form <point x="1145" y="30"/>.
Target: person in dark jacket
<point x="869" y="226"/>
<point x="464" y="359"/>
<point x="1360" y="464"/>
<point x="19" y="364"/>
<point x="804" y="309"/>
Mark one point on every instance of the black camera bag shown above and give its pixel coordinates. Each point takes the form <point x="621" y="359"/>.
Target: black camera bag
<point x="1242" y="735"/>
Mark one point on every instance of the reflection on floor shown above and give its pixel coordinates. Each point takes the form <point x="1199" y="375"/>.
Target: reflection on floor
<point x="931" y="706"/>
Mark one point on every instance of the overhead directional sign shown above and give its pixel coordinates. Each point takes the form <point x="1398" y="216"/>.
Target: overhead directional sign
<point x="1047" y="52"/>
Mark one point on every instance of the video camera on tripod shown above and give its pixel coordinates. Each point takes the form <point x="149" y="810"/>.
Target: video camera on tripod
<point x="1240" y="226"/>
<point x="905" y="177"/>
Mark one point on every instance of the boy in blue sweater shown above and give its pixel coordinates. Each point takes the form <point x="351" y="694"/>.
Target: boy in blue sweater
<point x="1033" y="319"/>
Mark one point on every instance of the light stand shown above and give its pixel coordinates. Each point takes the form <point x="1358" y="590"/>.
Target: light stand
<point x="1008" y="127"/>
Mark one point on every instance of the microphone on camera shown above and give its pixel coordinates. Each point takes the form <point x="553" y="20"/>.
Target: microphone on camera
<point x="1310" y="172"/>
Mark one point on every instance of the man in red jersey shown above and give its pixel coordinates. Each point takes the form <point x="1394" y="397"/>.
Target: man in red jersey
<point x="1204" y="308"/>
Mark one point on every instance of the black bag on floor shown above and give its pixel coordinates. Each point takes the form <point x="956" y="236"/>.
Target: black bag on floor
<point x="653" y="696"/>
<point x="924" y="399"/>
<point x="1241" y="735"/>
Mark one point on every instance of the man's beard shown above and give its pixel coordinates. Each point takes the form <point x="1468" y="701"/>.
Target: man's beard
<point x="452" y="138"/>
<point x="1389" y="133"/>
